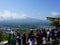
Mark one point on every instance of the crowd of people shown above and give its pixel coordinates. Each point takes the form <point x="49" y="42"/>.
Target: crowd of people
<point x="37" y="37"/>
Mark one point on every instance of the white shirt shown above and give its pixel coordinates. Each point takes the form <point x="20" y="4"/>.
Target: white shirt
<point x="48" y="33"/>
<point x="30" y="42"/>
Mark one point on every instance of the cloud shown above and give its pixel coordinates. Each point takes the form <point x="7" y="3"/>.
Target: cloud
<point x="8" y="15"/>
<point x="55" y="13"/>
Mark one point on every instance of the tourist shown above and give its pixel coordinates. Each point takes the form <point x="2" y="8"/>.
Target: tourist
<point x="52" y="34"/>
<point x="31" y="35"/>
<point x="18" y="38"/>
<point x="31" y="41"/>
<point x="39" y="37"/>
<point x="56" y="34"/>
<point x="13" y="39"/>
<point x="24" y="39"/>
<point x="9" y="39"/>
<point x="48" y="35"/>
<point x="44" y="33"/>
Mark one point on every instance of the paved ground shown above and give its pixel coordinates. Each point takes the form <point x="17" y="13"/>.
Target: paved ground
<point x="4" y="42"/>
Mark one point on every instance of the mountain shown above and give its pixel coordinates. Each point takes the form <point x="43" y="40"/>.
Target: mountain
<point x="27" y="21"/>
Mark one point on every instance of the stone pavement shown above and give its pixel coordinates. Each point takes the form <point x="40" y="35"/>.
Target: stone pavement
<point x="5" y="42"/>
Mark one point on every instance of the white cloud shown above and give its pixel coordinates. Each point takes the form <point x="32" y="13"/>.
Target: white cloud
<point x="8" y="15"/>
<point x="55" y="13"/>
<point x="23" y="16"/>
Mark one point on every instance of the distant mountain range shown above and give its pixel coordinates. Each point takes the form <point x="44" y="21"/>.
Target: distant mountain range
<point x="27" y="21"/>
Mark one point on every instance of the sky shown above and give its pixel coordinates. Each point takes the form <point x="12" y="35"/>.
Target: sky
<point x="21" y="9"/>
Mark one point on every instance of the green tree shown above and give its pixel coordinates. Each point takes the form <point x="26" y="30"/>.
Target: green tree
<point x="1" y="34"/>
<point x="55" y="21"/>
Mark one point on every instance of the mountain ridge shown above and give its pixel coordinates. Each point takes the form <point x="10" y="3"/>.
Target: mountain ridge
<point x="29" y="21"/>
